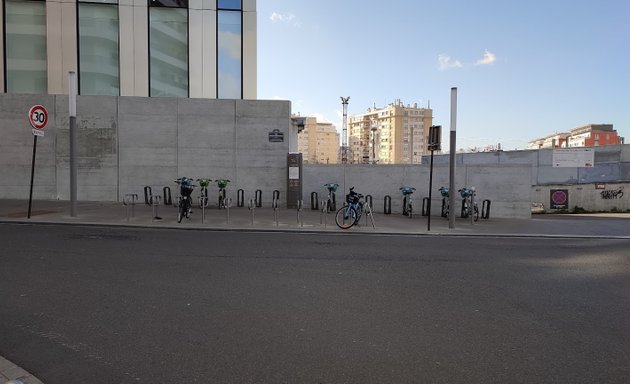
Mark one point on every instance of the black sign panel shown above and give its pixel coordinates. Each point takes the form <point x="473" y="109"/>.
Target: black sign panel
<point x="559" y="199"/>
<point x="435" y="138"/>
<point x="276" y="136"/>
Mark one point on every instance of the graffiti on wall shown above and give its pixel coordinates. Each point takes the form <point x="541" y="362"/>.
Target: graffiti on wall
<point x="610" y="194"/>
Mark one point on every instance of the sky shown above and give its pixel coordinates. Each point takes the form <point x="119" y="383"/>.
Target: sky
<point x="522" y="69"/>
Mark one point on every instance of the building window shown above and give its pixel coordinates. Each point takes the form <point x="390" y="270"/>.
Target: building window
<point x="229" y="50"/>
<point x="25" y="46"/>
<point x="168" y="48"/>
<point x="98" y="48"/>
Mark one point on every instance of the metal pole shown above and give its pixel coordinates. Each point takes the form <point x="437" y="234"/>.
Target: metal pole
<point x="451" y="188"/>
<point x="344" y="135"/>
<point x="30" y="195"/>
<point x="430" y="188"/>
<point x="72" y="100"/>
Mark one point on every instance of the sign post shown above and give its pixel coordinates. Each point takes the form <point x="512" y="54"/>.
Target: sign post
<point x="435" y="140"/>
<point x="38" y="117"/>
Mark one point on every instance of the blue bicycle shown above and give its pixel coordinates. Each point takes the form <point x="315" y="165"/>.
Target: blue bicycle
<point x="351" y="212"/>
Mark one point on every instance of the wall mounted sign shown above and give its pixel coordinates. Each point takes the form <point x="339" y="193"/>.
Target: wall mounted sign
<point x="276" y="136"/>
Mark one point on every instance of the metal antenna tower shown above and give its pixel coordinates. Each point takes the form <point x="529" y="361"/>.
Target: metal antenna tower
<point x="344" y="136"/>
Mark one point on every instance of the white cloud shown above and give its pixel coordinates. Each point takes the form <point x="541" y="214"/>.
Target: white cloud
<point x="231" y="43"/>
<point x="287" y="18"/>
<point x="488" y="58"/>
<point x="445" y="62"/>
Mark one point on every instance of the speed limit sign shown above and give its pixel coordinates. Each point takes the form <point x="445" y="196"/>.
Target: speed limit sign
<point x="38" y="117"/>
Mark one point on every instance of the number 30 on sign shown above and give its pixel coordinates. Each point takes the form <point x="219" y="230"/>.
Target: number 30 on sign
<point x="38" y="117"/>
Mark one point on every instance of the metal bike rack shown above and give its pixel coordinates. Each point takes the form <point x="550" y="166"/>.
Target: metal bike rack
<point x="155" y="202"/>
<point x="167" y="196"/>
<point x="387" y="209"/>
<point x="485" y="209"/>
<point x="314" y="201"/>
<point x="240" y="198"/>
<point x="425" y="206"/>
<point x="368" y="212"/>
<point x="203" y="201"/>
<point x="323" y="217"/>
<point x="299" y="213"/>
<point x="252" y="207"/>
<point x="148" y="196"/>
<point x="228" y="204"/>
<point x="275" y="194"/>
<point x="275" y="208"/>
<point x="368" y="201"/>
<point x="444" y="205"/>
<point x="258" y="197"/>
<point x="130" y="200"/>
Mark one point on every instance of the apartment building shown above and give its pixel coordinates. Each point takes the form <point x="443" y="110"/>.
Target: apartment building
<point x="395" y="134"/>
<point x="318" y="142"/>
<point x="590" y="135"/>
<point x="148" y="48"/>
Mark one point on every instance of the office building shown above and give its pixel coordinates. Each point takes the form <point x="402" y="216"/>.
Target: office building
<point x="149" y="48"/>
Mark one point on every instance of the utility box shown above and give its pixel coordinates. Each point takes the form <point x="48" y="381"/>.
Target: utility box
<point x="294" y="179"/>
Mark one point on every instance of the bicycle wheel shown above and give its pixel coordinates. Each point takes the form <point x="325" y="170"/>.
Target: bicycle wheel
<point x="180" y="212"/>
<point x="359" y="210"/>
<point x="346" y="217"/>
<point x="464" y="209"/>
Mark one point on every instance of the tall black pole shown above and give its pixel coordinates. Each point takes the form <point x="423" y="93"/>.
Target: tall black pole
<point x="30" y="195"/>
<point x="430" y="189"/>
<point x="452" y="160"/>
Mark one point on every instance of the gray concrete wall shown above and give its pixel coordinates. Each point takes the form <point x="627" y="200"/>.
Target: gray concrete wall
<point x="506" y="186"/>
<point x="592" y="197"/>
<point x="126" y="143"/>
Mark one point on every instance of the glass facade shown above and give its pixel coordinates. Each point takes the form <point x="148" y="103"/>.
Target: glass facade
<point x="25" y="45"/>
<point x="168" y="51"/>
<point x="229" y="54"/>
<point x="98" y="49"/>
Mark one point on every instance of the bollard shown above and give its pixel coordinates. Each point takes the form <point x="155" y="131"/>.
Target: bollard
<point x="167" y="196"/>
<point x="314" y="201"/>
<point x="322" y="213"/>
<point x="299" y="213"/>
<point x="275" y="208"/>
<point x="258" y="197"/>
<point x="425" y="207"/>
<point x="240" y="198"/>
<point x="155" y="202"/>
<point x="387" y="209"/>
<point x="485" y="209"/>
<point x="368" y="201"/>
<point x="148" y="196"/>
<point x="228" y="204"/>
<point x="276" y="195"/>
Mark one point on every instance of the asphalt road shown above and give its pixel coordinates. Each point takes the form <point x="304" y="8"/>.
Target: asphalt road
<point x="118" y="305"/>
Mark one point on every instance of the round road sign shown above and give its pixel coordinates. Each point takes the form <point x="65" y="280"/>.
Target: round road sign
<point x="38" y="116"/>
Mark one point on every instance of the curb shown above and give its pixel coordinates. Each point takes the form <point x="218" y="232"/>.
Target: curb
<point x="12" y="374"/>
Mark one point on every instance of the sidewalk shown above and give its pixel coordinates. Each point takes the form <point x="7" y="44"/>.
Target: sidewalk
<point x="266" y="219"/>
<point x="615" y="226"/>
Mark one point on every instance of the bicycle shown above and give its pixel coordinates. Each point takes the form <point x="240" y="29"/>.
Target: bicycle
<point x="184" y="201"/>
<point x="467" y="194"/>
<point x="445" y="201"/>
<point x="222" y="184"/>
<point x="203" y="193"/>
<point x="331" y="203"/>
<point x="407" y="200"/>
<point x="351" y="212"/>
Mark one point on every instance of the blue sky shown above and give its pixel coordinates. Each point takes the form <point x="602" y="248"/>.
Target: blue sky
<point x="523" y="69"/>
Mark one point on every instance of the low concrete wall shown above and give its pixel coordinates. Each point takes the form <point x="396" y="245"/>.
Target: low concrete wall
<point x="507" y="186"/>
<point x="592" y="197"/>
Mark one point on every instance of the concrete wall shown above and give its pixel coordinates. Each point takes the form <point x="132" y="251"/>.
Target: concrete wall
<point x="505" y="185"/>
<point x="126" y="143"/>
<point x="592" y="197"/>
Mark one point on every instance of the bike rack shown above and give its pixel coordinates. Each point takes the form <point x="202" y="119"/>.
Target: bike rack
<point x="228" y="204"/>
<point x="275" y="207"/>
<point x="204" y="203"/>
<point x="167" y="196"/>
<point x="425" y="206"/>
<point x="368" y="212"/>
<point x="299" y="213"/>
<point x="387" y="209"/>
<point x="240" y="198"/>
<point x="275" y="195"/>
<point x="155" y="202"/>
<point x="444" y="203"/>
<point x="252" y="207"/>
<point x="323" y="217"/>
<point x="258" y="197"/>
<point x="314" y="201"/>
<point x="148" y="196"/>
<point x="485" y="209"/>
<point x="130" y="200"/>
<point x="368" y="200"/>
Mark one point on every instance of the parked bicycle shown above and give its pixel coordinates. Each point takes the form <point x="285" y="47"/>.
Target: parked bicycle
<point x="184" y="201"/>
<point x="407" y="200"/>
<point x="467" y="194"/>
<point x="203" y="192"/>
<point x="351" y="212"/>
<point x="331" y="204"/>
<point x="445" y="202"/>
<point x="222" y="184"/>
